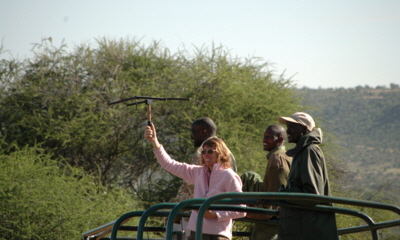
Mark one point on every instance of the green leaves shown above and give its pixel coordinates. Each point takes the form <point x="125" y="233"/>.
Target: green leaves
<point x="60" y="99"/>
<point x="42" y="198"/>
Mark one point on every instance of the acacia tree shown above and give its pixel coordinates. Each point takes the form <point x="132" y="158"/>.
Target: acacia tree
<point x="60" y="99"/>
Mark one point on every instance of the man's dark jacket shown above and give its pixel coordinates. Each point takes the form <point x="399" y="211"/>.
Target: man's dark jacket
<point x="308" y="174"/>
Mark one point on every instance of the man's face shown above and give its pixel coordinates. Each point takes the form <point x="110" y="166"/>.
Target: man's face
<point x="294" y="131"/>
<point x="270" y="141"/>
<point x="197" y="135"/>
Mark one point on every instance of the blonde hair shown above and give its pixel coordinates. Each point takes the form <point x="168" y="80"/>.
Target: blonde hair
<point x="224" y="155"/>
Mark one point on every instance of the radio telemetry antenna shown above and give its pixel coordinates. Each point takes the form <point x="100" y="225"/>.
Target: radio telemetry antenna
<point x="148" y="101"/>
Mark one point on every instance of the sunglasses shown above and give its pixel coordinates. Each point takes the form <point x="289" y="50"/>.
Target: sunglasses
<point x="209" y="151"/>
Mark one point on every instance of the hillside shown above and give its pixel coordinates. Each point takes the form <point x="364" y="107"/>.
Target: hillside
<point x="366" y="123"/>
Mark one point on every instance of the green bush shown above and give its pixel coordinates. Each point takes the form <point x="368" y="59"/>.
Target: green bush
<point x="41" y="199"/>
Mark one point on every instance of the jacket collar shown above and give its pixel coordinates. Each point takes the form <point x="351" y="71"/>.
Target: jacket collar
<point x="215" y="167"/>
<point x="275" y="149"/>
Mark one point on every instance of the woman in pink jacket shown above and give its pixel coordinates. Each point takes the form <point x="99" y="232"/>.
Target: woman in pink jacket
<point x="214" y="176"/>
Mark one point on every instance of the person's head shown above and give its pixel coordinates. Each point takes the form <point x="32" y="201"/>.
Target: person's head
<point x="214" y="150"/>
<point x="274" y="136"/>
<point x="298" y="125"/>
<point x="202" y="129"/>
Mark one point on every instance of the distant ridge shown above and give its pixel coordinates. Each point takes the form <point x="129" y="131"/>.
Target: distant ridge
<point x="366" y="123"/>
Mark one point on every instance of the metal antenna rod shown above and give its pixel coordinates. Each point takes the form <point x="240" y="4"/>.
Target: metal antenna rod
<point x="148" y="101"/>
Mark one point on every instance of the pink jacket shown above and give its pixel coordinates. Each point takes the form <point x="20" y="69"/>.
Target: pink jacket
<point x="221" y="180"/>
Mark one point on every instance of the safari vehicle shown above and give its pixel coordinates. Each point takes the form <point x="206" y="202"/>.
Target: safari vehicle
<point x="230" y="201"/>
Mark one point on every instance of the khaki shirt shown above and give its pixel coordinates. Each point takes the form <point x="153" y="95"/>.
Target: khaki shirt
<point x="186" y="190"/>
<point x="277" y="171"/>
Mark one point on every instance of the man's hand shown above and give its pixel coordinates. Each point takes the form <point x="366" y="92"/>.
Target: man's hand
<point x="258" y="216"/>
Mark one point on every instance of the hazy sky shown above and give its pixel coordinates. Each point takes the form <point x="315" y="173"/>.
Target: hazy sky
<point x="336" y="43"/>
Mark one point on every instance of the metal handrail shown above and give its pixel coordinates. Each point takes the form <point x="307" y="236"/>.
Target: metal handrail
<point x="301" y="196"/>
<point x="105" y="229"/>
<point x="153" y="211"/>
<point x="144" y="217"/>
<point x="174" y="213"/>
<point x="224" y="202"/>
<point x="195" y="203"/>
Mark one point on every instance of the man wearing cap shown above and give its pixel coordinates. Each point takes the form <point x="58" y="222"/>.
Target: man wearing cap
<point x="308" y="174"/>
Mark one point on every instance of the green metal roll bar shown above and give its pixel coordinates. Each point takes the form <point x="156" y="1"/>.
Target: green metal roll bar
<point x="232" y="202"/>
<point x="308" y="197"/>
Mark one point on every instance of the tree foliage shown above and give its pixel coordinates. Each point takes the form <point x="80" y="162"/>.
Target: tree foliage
<point x="60" y="99"/>
<point x="40" y="198"/>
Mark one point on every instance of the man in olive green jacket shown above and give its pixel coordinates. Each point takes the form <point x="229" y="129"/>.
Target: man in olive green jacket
<point x="276" y="175"/>
<point x="308" y="174"/>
